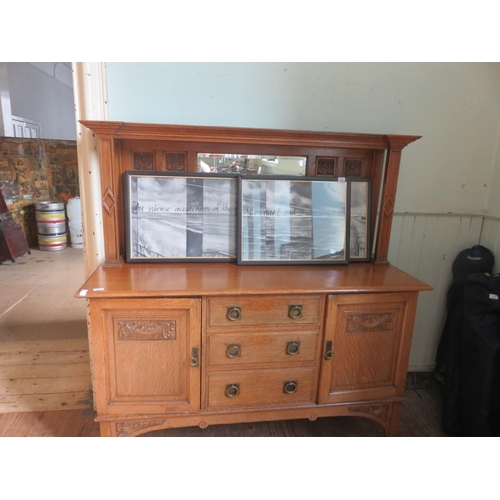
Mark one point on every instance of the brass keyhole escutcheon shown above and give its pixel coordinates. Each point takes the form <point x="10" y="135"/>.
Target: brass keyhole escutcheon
<point x="290" y="387"/>
<point x="295" y="311"/>
<point x="195" y="353"/>
<point x="232" y="390"/>
<point x="293" y="347"/>
<point x="233" y="313"/>
<point x="328" y="350"/>
<point x="233" y="350"/>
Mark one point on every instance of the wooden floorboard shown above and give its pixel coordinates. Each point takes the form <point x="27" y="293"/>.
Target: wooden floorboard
<point x="420" y="417"/>
<point x="44" y="351"/>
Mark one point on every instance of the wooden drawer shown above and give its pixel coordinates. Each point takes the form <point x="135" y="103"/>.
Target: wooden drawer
<point x="286" y="311"/>
<point x="233" y="349"/>
<point x="255" y="388"/>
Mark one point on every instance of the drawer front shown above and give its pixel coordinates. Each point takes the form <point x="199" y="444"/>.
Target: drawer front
<point x="232" y="313"/>
<point x="256" y="388"/>
<point x="229" y="349"/>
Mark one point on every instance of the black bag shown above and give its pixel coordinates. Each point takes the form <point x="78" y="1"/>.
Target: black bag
<point x="468" y="351"/>
<point x="480" y="345"/>
<point x="477" y="259"/>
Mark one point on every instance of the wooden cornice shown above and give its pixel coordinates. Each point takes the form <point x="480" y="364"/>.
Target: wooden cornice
<point x="398" y="142"/>
<point x="102" y="129"/>
<point x="190" y="133"/>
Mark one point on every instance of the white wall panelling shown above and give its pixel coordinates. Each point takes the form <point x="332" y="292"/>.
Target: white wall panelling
<point x="490" y="238"/>
<point x="425" y="245"/>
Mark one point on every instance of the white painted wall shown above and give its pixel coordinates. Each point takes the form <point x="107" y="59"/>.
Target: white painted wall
<point x="445" y="177"/>
<point x="43" y="92"/>
<point x="454" y="106"/>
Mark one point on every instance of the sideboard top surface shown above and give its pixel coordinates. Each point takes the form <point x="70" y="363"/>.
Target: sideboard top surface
<point x="200" y="279"/>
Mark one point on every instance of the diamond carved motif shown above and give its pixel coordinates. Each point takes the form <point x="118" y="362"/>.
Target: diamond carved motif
<point x="389" y="207"/>
<point x="108" y="201"/>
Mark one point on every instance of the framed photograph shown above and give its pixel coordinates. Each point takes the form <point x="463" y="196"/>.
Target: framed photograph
<point x="180" y="217"/>
<point x="359" y="220"/>
<point x="292" y="220"/>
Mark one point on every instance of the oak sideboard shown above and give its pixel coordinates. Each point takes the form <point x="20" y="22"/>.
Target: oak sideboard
<point x="177" y="344"/>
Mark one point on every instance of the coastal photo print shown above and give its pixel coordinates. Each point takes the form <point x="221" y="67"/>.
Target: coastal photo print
<point x="294" y="220"/>
<point x="180" y="217"/>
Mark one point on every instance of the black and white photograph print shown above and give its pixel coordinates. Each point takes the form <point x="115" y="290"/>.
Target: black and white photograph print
<point x="180" y="217"/>
<point x="359" y="220"/>
<point x="292" y="221"/>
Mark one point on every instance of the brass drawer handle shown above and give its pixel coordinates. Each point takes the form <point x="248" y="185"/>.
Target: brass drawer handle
<point x="295" y="311"/>
<point x="233" y="313"/>
<point x="293" y="347"/>
<point x="233" y="350"/>
<point x="232" y="390"/>
<point x="290" y="387"/>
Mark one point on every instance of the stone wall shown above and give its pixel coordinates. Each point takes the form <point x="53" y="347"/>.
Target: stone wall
<point x="34" y="170"/>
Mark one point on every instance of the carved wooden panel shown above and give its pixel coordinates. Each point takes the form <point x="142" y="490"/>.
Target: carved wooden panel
<point x="146" y="330"/>
<point x="126" y="428"/>
<point x="353" y="168"/>
<point x="326" y="166"/>
<point x="175" y="162"/>
<point x="370" y="322"/>
<point x="379" y="411"/>
<point x="143" y="161"/>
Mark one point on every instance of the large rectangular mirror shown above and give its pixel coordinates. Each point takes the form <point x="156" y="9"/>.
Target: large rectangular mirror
<point x="251" y="164"/>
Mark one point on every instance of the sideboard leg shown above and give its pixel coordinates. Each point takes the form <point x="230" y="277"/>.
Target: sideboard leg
<point x="392" y="427"/>
<point x="106" y="429"/>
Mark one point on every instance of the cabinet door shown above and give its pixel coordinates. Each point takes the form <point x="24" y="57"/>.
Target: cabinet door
<point x="366" y="346"/>
<point x="143" y="355"/>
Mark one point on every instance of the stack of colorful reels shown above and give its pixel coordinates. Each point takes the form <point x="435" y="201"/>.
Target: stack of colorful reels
<point x="51" y="225"/>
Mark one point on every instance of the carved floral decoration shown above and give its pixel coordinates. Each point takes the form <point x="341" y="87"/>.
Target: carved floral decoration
<point x="370" y="322"/>
<point x="127" y="428"/>
<point x="175" y="162"/>
<point x="143" y="161"/>
<point x="146" y="330"/>
<point x="379" y="411"/>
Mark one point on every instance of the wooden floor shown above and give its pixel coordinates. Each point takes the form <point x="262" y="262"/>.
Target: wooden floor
<point x="44" y="355"/>
<point x="420" y="417"/>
